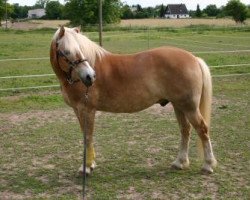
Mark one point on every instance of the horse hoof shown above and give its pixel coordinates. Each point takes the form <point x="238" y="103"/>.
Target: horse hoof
<point x="179" y="165"/>
<point x="206" y="171"/>
<point x="208" y="167"/>
<point x="176" y="167"/>
<point x="93" y="166"/>
<point x="88" y="169"/>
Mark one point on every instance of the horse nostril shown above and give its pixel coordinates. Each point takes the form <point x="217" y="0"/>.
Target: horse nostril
<point x="88" y="78"/>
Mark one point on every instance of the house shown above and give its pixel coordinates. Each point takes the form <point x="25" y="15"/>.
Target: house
<point x="36" y="13"/>
<point x="175" y="11"/>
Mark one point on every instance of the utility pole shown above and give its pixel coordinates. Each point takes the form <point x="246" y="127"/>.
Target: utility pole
<point x="6" y="15"/>
<point x="100" y="22"/>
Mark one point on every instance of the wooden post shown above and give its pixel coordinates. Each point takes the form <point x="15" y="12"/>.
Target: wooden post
<point x="100" y="22"/>
<point x="6" y="15"/>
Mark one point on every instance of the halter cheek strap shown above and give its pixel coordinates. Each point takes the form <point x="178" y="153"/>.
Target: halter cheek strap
<point x="71" y="65"/>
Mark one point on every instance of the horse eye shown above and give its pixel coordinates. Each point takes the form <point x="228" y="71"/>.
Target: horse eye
<point x="66" y="52"/>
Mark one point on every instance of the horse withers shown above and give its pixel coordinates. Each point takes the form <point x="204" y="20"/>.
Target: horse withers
<point x="131" y="83"/>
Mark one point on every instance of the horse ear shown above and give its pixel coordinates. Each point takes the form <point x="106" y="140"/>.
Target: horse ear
<point x="77" y="29"/>
<point x="62" y="31"/>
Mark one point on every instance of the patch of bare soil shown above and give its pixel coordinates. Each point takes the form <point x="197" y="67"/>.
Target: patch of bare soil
<point x="131" y="193"/>
<point x="6" y="195"/>
<point x="41" y="117"/>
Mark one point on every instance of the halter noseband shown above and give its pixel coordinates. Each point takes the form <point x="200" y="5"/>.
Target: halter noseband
<point x="71" y="65"/>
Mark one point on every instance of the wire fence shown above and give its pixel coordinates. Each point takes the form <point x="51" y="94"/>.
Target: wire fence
<point x="47" y="75"/>
<point x="57" y="86"/>
<point x="195" y="52"/>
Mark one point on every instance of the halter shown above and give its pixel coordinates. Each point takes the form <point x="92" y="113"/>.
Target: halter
<point x="71" y="65"/>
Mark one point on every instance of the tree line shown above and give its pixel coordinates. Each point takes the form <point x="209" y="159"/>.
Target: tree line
<point x="86" y="11"/>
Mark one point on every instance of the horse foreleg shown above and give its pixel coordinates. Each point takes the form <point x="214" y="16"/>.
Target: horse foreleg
<point x="182" y="160"/>
<point x="89" y="116"/>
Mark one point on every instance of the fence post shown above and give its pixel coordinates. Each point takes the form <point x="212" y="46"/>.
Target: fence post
<point x="100" y="22"/>
<point x="6" y="15"/>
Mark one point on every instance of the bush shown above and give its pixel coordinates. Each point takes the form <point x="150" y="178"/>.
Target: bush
<point x="237" y="10"/>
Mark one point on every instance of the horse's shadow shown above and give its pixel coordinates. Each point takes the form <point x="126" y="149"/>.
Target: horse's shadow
<point x="133" y="173"/>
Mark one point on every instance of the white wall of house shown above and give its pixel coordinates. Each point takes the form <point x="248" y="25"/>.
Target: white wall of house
<point x="36" y="13"/>
<point x="172" y="16"/>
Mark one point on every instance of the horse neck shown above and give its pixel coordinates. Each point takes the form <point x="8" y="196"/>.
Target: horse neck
<point x="55" y="66"/>
<point x="60" y="74"/>
<point x="92" y="50"/>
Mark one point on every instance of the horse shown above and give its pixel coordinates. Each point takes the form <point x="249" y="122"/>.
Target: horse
<point x="133" y="82"/>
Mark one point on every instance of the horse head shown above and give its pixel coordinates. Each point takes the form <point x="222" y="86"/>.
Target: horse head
<point x="71" y="58"/>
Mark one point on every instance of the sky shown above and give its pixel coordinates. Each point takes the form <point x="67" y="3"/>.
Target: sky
<point x="191" y="4"/>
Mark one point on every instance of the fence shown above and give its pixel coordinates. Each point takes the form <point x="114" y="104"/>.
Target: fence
<point x="53" y="86"/>
<point x="201" y="44"/>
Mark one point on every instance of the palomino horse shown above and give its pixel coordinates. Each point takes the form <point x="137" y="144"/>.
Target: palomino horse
<point x="131" y="83"/>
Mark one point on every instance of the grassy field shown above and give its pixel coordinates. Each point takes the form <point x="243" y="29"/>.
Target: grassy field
<point x="40" y="139"/>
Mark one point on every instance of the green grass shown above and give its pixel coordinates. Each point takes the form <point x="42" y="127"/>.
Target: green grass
<point x="40" y="138"/>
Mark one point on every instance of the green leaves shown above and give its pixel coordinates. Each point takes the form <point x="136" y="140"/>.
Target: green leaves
<point x="84" y="12"/>
<point x="237" y="10"/>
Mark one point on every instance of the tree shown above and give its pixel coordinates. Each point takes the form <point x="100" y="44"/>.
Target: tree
<point x="127" y="12"/>
<point x="140" y="12"/>
<point x="211" y="10"/>
<point x="138" y="8"/>
<point x="41" y="3"/>
<point x="53" y="10"/>
<point x="19" y="11"/>
<point x="3" y="6"/>
<point x="82" y="12"/>
<point x="248" y="11"/>
<point x="198" y="11"/>
<point x="237" y="10"/>
<point x="112" y="11"/>
<point x="162" y="11"/>
<point x="150" y="12"/>
<point x="2" y="11"/>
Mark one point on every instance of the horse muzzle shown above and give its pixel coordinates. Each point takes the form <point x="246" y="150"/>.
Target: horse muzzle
<point x="87" y="75"/>
<point x="88" y="80"/>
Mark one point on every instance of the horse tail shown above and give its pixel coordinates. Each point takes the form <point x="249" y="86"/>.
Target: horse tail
<point x="206" y="96"/>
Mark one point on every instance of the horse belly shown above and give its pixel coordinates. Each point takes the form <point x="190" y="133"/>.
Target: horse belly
<point x="128" y="99"/>
<point x="125" y="107"/>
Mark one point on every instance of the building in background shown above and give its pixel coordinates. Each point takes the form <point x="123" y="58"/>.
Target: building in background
<point x="176" y="11"/>
<point x="36" y="13"/>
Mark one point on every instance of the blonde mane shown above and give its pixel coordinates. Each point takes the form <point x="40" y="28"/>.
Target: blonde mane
<point x="79" y="42"/>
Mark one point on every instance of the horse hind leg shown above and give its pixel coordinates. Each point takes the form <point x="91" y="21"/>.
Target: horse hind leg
<point x="182" y="160"/>
<point x="197" y="121"/>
